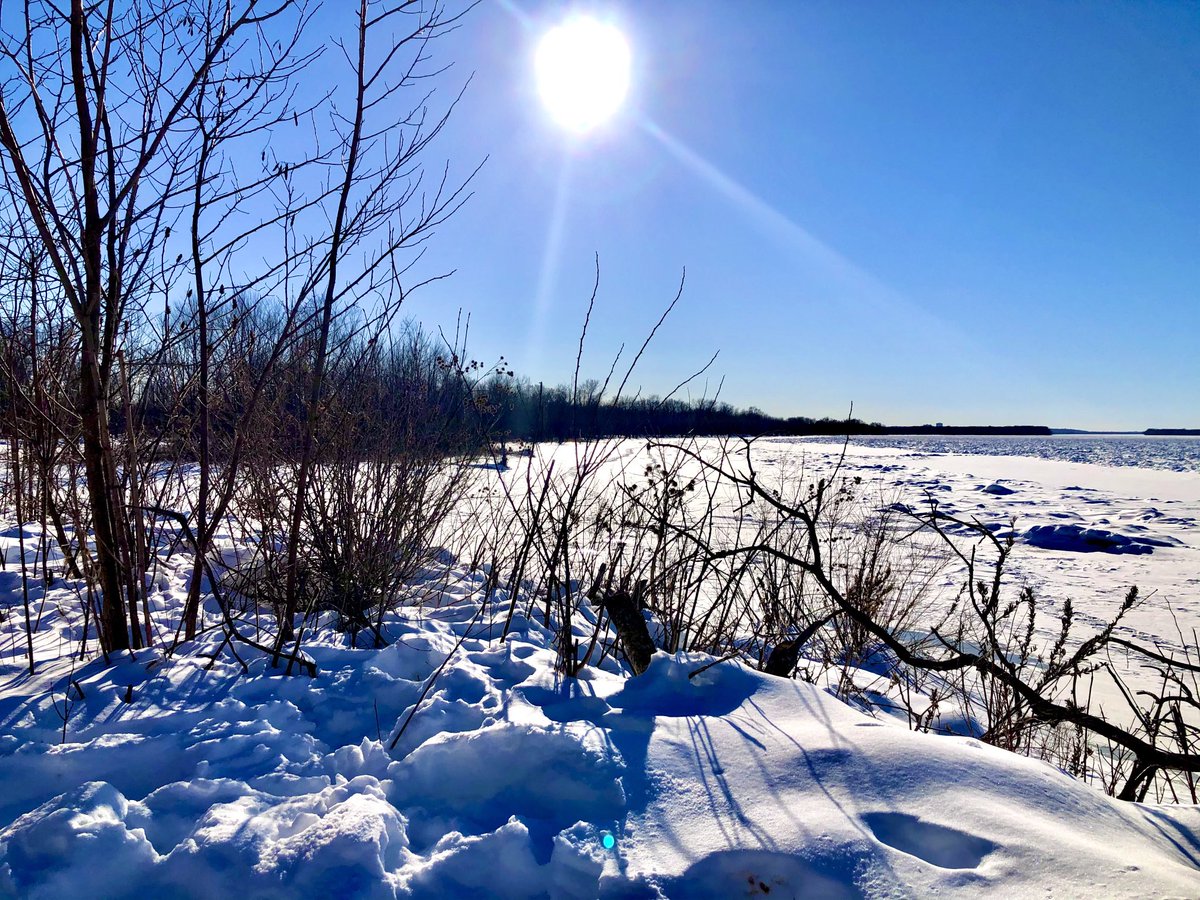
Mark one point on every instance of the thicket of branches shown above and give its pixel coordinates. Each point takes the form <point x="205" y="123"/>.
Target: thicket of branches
<point x="204" y="245"/>
<point x="806" y="574"/>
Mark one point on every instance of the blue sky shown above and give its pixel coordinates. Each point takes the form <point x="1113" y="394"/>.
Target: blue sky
<point x="957" y="212"/>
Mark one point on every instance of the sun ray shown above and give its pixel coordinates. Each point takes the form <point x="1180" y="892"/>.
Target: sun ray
<point x="549" y="269"/>
<point x="861" y="291"/>
<point x="517" y="13"/>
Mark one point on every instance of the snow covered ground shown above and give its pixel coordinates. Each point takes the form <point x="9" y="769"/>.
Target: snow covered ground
<point x="196" y="779"/>
<point x="1085" y="530"/>
<point x="213" y="783"/>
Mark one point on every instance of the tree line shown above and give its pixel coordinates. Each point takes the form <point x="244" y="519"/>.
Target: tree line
<point x="534" y="412"/>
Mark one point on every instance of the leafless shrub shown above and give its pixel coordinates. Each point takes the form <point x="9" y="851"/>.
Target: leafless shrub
<point x="981" y="661"/>
<point x="150" y="151"/>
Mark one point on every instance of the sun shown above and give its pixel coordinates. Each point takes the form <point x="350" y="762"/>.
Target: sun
<point x="583" y="72"/>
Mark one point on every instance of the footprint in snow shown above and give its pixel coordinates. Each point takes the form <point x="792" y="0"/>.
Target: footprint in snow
<point x="938" y="845"/>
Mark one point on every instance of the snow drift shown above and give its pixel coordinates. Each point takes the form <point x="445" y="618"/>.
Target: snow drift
<point x="209" y="782"/>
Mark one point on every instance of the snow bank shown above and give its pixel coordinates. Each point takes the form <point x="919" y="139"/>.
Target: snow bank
<point x="728" y="783"/>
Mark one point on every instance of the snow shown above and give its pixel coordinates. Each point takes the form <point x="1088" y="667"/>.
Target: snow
<point x="1139" y="452"/>
<point x="186" y="776"/>
<point x="716" y="785"/>
<point x="1086" y="531"/>
<point x="998" y="489"/>
<point x="1078" y="539"/>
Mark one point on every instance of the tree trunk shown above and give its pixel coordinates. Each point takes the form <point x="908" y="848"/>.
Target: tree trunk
<point x="113" y="625"/>
<point x="626" y="616"/>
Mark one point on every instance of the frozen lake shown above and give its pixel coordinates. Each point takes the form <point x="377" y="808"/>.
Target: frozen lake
<point x="1072" y="485"/>
<point x="1174" y="454"/>
<point x="1083" y="530"/>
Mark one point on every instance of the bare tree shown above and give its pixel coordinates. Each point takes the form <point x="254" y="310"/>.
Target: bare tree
<point x="97" y="159"/>
<point x="144" y="162"/>
<point x="378" y="192"/>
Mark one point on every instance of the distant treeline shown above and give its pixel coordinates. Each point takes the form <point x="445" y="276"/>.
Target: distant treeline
<point x="430" y="394"/>
<point x="998" y="430"/>
<point x="535" y="412"/>
<point x="1173" y="432"/>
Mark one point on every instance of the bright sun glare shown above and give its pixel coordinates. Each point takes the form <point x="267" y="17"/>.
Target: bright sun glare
<point x="582" y="72"/>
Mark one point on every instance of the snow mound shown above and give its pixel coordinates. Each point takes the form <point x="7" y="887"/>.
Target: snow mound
<point x="717" y="783"/>
<point x="1081" y="539"/>
<point x="997" y="489"/>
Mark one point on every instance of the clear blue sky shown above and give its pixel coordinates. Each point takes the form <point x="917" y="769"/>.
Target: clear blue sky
<point x="958" y="212"/>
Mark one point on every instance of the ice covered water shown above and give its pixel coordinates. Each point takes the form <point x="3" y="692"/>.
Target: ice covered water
<point x="1175" y="454"/>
